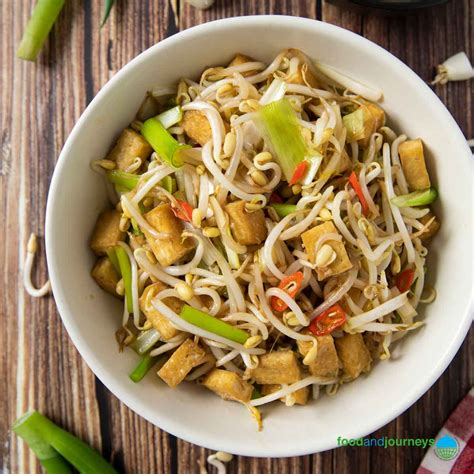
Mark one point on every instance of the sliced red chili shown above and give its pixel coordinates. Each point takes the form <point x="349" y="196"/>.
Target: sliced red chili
<point x="183" y="210"/>
<point x="290" y="285"/>
<point x="405" y="279"/>
<point x="275" y="198"/>
<point x="331" y="319"/>
<point x="299" y="172"/>
<point x="354" y="182"/>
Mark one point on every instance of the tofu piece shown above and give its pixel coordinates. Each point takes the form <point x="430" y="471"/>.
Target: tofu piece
<point x="228" y="385"/>
<point x="326" y="363"/>
<point x="184" y="359"/>
<point x="248" y="228"/>
<point x="171" y="249"/>
<point x="374" y="118"/>
<point x="301" y="395"/>
<point x="107" y="232"/>
<point x="340" y="264"/>
<point x="196" y="126"/>
<point x="305" y="71"/>
<point x="160" y="322"/>
<point x="105" y="275"/>
<point x="276" y="368"/>
<point x="413" y="164"/>
<point x="370" y="118"/>
<point x="242" y="59"/>
<point x="354" y="355"/>
<point x="432" y="229"/>
<point x="130" y="145"/>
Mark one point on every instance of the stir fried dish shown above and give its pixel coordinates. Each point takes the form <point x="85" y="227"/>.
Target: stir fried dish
<point x="267" y="231"/>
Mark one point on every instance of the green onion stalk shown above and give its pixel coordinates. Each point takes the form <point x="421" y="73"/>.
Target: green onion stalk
<point x="165" y="145"/>
<point x="126" y="272"/>
<point x="37" y="30"/>
<point x="144" y="366"/>
<point x="56" y="448"/>
<point x="126" y="181"/>
<point x="283" y="210"/>
<point x="416" y="198"/>
<point x="210" y="323"/>
<point x="281" y="131"/>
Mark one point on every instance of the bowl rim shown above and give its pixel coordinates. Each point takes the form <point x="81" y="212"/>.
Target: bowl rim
<point x="94" y="363"/>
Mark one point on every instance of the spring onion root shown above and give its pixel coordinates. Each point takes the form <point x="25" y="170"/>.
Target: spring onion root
<point x="49" y="443"/>
<point x="455" y="68"/>
<point x="30" y="258"/>
<point x="42" y="20"/>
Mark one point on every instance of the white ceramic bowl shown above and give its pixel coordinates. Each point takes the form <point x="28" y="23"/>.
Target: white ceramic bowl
<point x="191" y="412"/>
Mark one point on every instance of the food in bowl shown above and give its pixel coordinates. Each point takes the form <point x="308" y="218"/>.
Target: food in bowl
<point x="268" y="231"/>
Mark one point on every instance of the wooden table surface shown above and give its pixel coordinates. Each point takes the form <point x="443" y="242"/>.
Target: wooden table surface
<point x="39" y="366"/>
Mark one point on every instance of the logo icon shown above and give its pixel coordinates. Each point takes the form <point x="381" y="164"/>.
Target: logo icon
<point x="447" y="448"/>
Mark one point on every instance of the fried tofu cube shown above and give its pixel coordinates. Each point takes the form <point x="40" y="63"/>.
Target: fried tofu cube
<point x="107" y="232"/>
<point x="304" y="73"/>
<point x="160" y="323"/>
<point x="432" y="229"/>
<point x="228" y="385"/>
<point x="196" y="126"/>
<point x="310" y="239"/>
<point x="354" y="355"/>
<point x="248" y="228"/>
<point x="301" y="395"/>
<point x="374" y="119"/>
<point x="276" y="368"/>
<point x="130" y="145"/>
<point x="326" y="363"/>
<point x="184" y="359"/>
<point x="242" y="59"/>
<point x="105" y="275"/>
<point x="362" y="123"/>
<point x="413" y="164"/>
<point x="170" y="249"/>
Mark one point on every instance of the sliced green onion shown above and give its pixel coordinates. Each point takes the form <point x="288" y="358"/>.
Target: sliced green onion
<point x="49" y="458"/>
<point x="169" y="183"/>
<point x="282" y="134"/>
<point x="108" y="7"/>
<point x="171" y="117"/>
<point x="123" y="180"/>
<point x="283" y="210"/>
<point x="126" y="272"/>
<point x="355" y="125"/>
<point x="212" y="324"/>
<point x="167" y="147"/>
<point x="41" y="21"/>
<point x="145" y="341"/>
<point x="39" y="432"/>
<point x="113" y="259"/>
<point x="144" y="366"/>
<point x="417" y="198"/>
